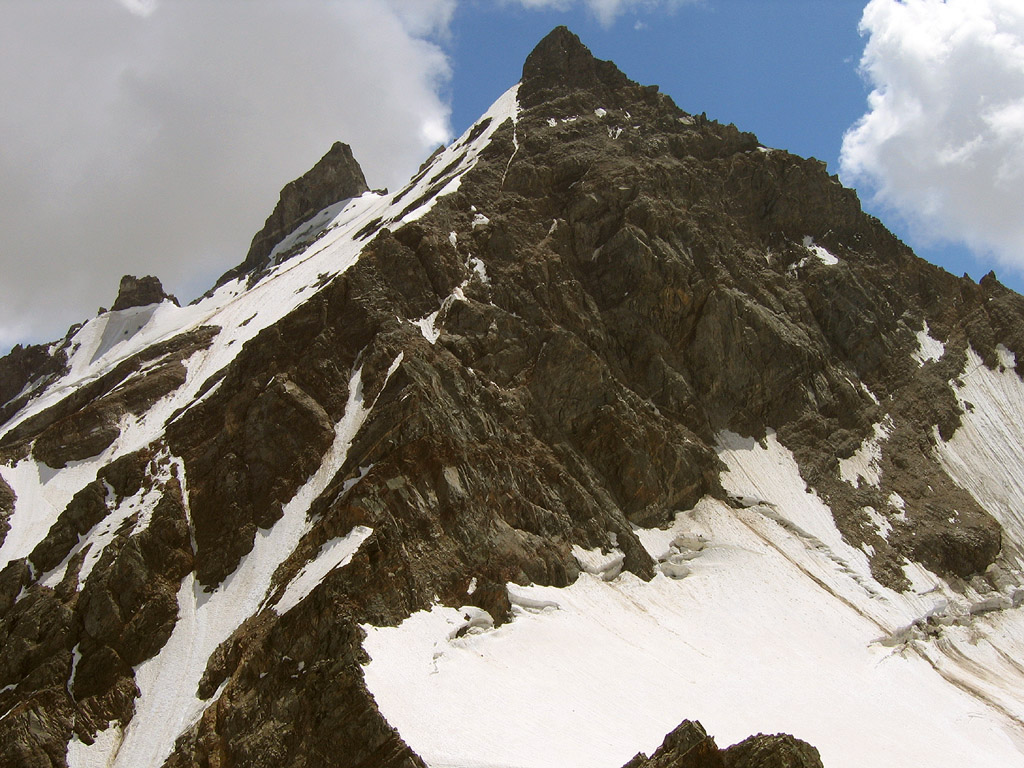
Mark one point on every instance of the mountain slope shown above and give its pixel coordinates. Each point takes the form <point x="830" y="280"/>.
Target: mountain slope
<point x="611" y="418"/>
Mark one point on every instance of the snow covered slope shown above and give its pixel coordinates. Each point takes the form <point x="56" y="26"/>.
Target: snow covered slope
<point x="778" y="627"/>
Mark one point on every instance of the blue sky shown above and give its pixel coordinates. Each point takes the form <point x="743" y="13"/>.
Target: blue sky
<point x="153" y="136"/>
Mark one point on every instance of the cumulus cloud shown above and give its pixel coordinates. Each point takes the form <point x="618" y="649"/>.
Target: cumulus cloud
<point x="606" y="11"/>
<point x="152" y="137"/>
<point x="139" y="7"/>
<point x="942" y="142"/>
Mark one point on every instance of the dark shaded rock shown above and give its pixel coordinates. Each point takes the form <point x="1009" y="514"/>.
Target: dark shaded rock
<point x="13" y="577"/>
<point x="34" y="734"/>
<point x="336" y="176"/>
<point x="81" y="435"/>
<point x="249" y="447"/>
<point x="128" y="608"/>
<point x="7" y="499"/>
<point x="85" y="422"/>
<point x="89" y="507"/>
<point x="140" y="292"/>
<point x="297" y="697"/>
<point x="560" y="63"/>
<point x="777" y="751"/>
<point x="24" y="373"/>
<point x="688" y="746"/>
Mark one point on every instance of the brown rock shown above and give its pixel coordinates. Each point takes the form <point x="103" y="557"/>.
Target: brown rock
<point x="140" y="292"/>
<point x="336" y="176"/>
<point x="688" y="746"/>
<point x="778" y="751"/>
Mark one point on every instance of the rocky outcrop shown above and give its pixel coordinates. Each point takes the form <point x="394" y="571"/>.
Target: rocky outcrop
<point x="26" y="371"/>
<point x="140" y="292"/>
<point x="336" y="176"/>
<point x="561" y="64"/>
<point x="7" y="499"/>
<point x="777" y="751"/>
<point x="689" y="746"/>
<point x="86" y="421"/>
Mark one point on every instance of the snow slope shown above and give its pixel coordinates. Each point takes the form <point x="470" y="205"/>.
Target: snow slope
<point x="777" y="628"/>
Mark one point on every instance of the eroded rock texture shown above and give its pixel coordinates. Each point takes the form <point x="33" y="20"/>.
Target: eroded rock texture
<point x="689" y="746"/>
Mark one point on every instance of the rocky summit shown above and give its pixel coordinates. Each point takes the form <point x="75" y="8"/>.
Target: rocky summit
<point x="610" y="420"/>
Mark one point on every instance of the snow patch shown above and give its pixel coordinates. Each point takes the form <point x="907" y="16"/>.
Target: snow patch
<point x="428" y="326"/>
<point x="818" y="252"/>
<point x="865" y="464"/>
<point x="928" y="348"/>
<point x="480" y="269"/>
<point x="883" y="526"/>
<point x="95" y="755"/>
<point x="333" y="554"/>
<point x="604" y="565"/>
<point x="985" y="456"/>
<point x="168" y="703"/>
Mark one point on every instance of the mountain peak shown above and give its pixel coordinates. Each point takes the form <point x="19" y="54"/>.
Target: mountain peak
<point x="561" y="62"/>
<point x="336" y="176"/>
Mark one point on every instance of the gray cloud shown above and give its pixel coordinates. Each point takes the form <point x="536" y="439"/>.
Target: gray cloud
<point x="943" y="140"/>
<point x="149" y="137"/>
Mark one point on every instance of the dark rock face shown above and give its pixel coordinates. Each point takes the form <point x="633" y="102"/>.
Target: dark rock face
<point x="85" y="422"/>
<point x="561" y="63"/>
<point x="140" y="292"/>
<point x="689" y="746"/>
<point x="24" y="372"/>
<point x="7" y="499"/>
<point x="336" y="176"/>
<point x="778" y="751"/>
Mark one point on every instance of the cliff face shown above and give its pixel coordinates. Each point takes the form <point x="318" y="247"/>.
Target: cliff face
<point x="611" y="418"/>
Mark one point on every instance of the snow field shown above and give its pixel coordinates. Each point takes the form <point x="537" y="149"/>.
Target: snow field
<point x="777" y="628"/>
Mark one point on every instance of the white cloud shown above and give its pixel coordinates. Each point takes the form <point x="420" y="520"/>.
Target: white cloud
<point x="144" y="137"/>
<point x="140" y="7"/>
<point x="424" y="18"/>
<point x="606" y="11"/>
<point x="942" y="142"/>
